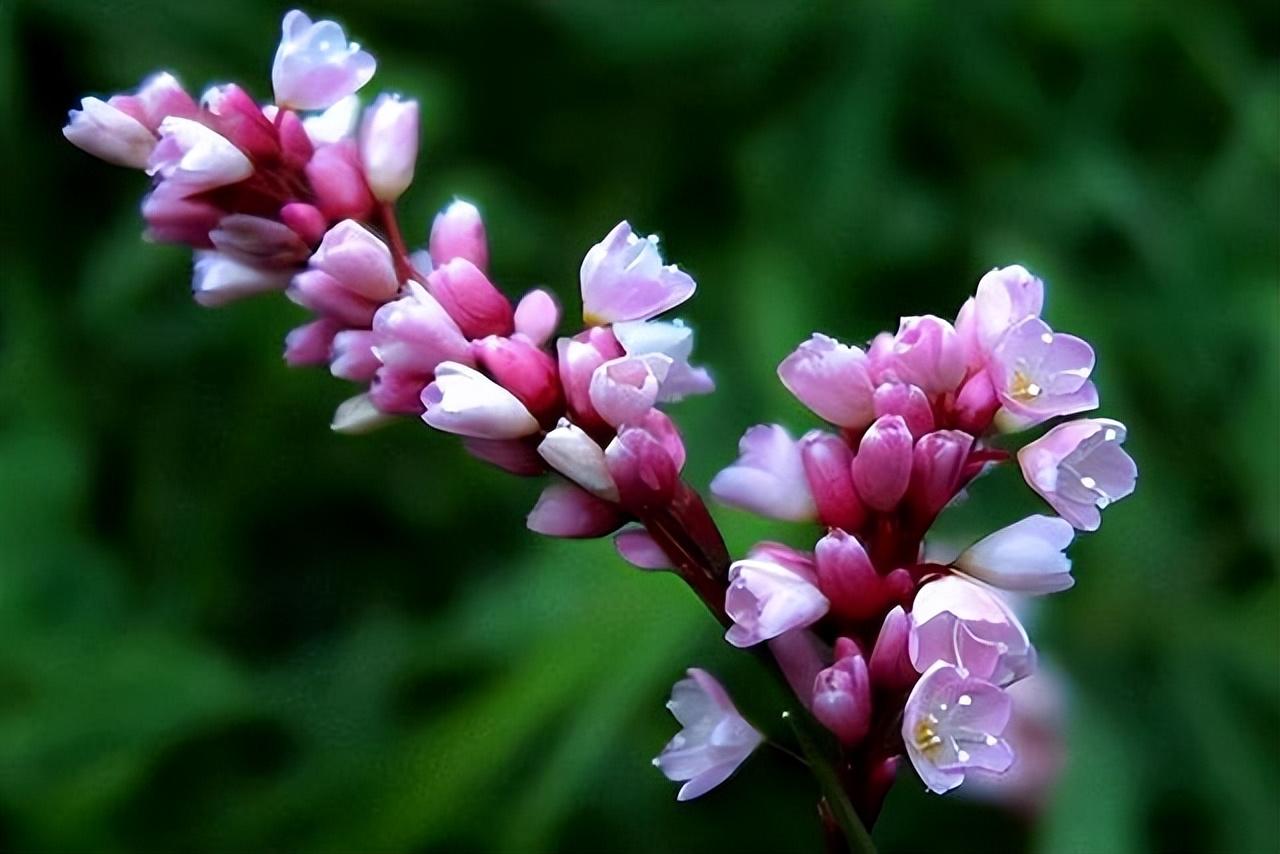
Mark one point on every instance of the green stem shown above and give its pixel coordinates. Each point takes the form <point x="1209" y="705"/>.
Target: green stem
<point x="856" y="837"/>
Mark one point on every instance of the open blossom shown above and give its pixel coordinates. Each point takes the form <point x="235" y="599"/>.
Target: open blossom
<point x="769" y="476"/>
<point x="315" y="67"/>
<point x="1080" y="469"/>
<point x="954" y="723"/>
<point x="673" y="340"/>
<point x="766" y="599"/>
<point x="1040" y="374"/>
<point x="623" y="278"/>
<point x="831" y="379"/>
<point x="715" y="738"/>
<point x="1025" y="557"/>
<point x="958" y="622"/>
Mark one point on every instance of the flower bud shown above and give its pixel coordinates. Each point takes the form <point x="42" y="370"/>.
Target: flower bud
<point x="643" y="470"/>
<point x="831" y="379"/>
<point x="110" y="134"/>
<point x="241" y="121"/>
<point x="524" y="370"/>
<point x="173" y="218"/>
<point x="976" y="404"/>
<point x="847" y="577"/>
<point x="389" y="146"/>
<point x="196" y="158"/>
<point x="464" y="401"/>
<point x="828" y="468"/>
<point x="305" y="220"/>
<point x="842" y="699"/>
<point x="937" y="463"/>
<point x="399" y="390"/>
<point x="623" y="390"/>
<point x="458" y="232"/>
<point x="579" y="358"/>
<point x="537" y="316"/>
<point x="220" y="279"/>
<point x="882" y="467"/>
<point x="259" y="241"/>
<point x="479" y="308"/>
<point x="323" y="294"/>
<point x="890" y="664"/>
<point x="159" y="97"/>
<point x="338" y="182"/>
<point x="766" y="599"/>
<point x="564" y="510"/>
<point x="415" y="333"/>
<point x="927" y="353"/>
<point x="352" y="356"/>
<point x="310" y="343"/>
<point x="358" y="259"/>
<point x="574" y="454"/>
<point x="909" y="401"/>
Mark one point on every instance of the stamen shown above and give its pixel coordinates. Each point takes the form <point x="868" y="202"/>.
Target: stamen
<point x="966" y="700"/>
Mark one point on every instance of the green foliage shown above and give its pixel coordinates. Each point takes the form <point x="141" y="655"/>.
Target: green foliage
<point x="224" y="628"/>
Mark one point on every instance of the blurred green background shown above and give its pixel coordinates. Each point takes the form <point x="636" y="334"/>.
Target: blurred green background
<point x="223" y="627"/>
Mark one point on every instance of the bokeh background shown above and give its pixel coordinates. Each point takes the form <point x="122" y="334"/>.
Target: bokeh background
<point x="223" y="627"/>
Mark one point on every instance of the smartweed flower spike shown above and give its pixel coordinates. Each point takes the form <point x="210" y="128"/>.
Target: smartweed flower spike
<point x="896" y="655"/>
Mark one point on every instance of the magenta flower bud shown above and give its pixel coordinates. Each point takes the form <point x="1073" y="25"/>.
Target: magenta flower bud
<point x="579" y="358"/>
<point x="464" y="401"/>
<point x="389" y="146"/>
<point x="767" y="599"/>
<point x="828" y="464"/>
<point x="953" y="723"/>
<point x="639" y="549"/>
<point x="159" y="97"/>
<point x="305" y="220"/>
<point x="315" y="67"/>
<point x="296" y="147"/>
<point x="564" y="510"/>
<point x="517" y="456"/>
<point x="173" y="218"/>
<point x="927" y="353"/>
<point x="1025" y="557"/>
<point x="660" y="426"/>
<point x="1005" y="296"/>
<point x="847" y="577"/>
<point x="110" y="134"/>
<point x="623" y="278"/>
<point x="1039" y="374"/>
<point x="769" y="477"/>
<point x="458" y="232"/>
<point x="890" y="663"/>
<point x="471" y="299"/>
<point x="398" y="390"/>
<point x="642" y="469"/>
<point x="958" y="622"/>
<point x="196" y="158"/>
<point x="323" y="294"/>
<point x="715" y="739"/>
<point x="311" y="343"/>
<point x="524" y="370"/>
<point x="358" y="415"/>
<point x="259" y="241"/>
<point x="907" y="400"/>
<point x="623" y="390"/>
<point x="976" y="404"/>
<point x="536" y="317"/>
<point x="842" y="699"/>
<point x="220" y="279"/>
<point x="338" y="182"/>
<point x="882" y="466"/>
<point x="415" y="333"/>
<point x="359" y="260"/>
<point x="1080" y="469"/>
<point x="937" y="465"/>
<point x="239" y="118"/>
<point x="832" y="380"/>
<point x="353" y="357"/>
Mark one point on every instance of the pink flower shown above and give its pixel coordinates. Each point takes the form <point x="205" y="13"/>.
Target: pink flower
<point x="623" y="390"/>
<point x="1039" y="374"/>
<point x="831" y="379"/>
<point x="890" y="663"/>
<point x="579" y="358"/>
<point x="909" y="401"/>
<point x="644" y="461"/>
<point x="1080" y="469"/>
<point x="323" y="294"/>
<point x="882" y="466"/>
<point x="159" y="97"/>
<point x="458" y="232"/>
<point x="842" y="699"/>
<point x="715" y="738"/>
<point x="464" y="401"/>
<point x="926" y="353"/>
<point x="1025" y="557"/>
<point x="847" y="577"/>
<point x="353" y="356"/>
<point x="564" y="510"/>
<point x="310" y="343"/>
<point x="623" y="278"/>
<point x="110" y="134"/>
<point x="639" y="549"/>
<point x="471" y="299"/>
<point x="358" y="259"/>
<point x="768" y="478"/>
<point x="415" y="333"/>
<point x="196" y="158"/>
<point x="389" y="146"/>
<point x="338" y="182"/>
<point x="953" y="723"/>
<point x="960" y="623"/>
<point x="766" y="599"/>
<point x="336" y="123"/>
<point x="828" y="465"/>
<point x="574" y="454"/>
<point x="673" y="340"/>
<point x="1005" y="296"/>
<point x="526" y="371"/>
<point x="937" y="470"/>
<point x="219" y="279"/>
<point x="315" y="67"/>
<point x="536" y="316"/>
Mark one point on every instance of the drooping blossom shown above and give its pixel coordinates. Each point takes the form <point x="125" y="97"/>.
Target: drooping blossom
<point x="1025" y="557"/>
<point x="715" y="738"/>
<point x="1080" y="468"/>
<point x="953" y="723"/>
<point x="958" y="622"/>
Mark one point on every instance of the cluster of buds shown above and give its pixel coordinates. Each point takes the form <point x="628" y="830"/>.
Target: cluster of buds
<point x="894" y="650"/>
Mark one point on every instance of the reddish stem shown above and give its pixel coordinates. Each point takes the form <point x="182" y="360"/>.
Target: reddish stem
<point x="395" y="240"/>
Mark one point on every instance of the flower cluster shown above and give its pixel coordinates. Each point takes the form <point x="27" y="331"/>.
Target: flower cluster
<point x="870" y="631"/>
<point x="894" y="651"/>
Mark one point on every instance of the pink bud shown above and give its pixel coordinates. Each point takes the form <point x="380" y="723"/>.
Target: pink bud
<point x="847" y="578"/>
<point x="310" y="343"/>
<point x="660" y="426"/>
<point x="479" y="308"/>
<point x="323" y="294"/>
<point x="938" y="462"/>
<point x="353" y="357"/>
<point x="842" y="699"/>
<point x="517" y="456"/>
<point x="110" y="134"/>
<point x="643" y="470"/>
<point x="537" y="316"/>
<point x="464" y="401"/>
<point x="315" y="67"/>
<point x="976" y="404"/>
<point x="623" y="390"/>
<point x="196" y="158"/>
<point x="927" y="353"/>
<point x="641" y="550"/>
<point x="359" y="260"/>
<point x="398" y="390"/>
<point x="173" y="218"/>
<point x="577" y="456"/>
<point x="831" y="379"/>
<point x="259" y="241"/>
<point x="220" y="279"/>
<point x="579" y="358"/>
<point x="524" y="370"/>
<point x="882" y="467"/>
<point x="338" y="182"/>
<point x="159" y="97"/>
<point x="564" y="510"/>
<point x="796" y="562"/>
<point x="890" y="666"/>
<point x="296" y="146"/>
<point x="458" y="232"/>
<point x="908" y="401"/>
<point x="239" y="118"/>
<point x="389" y="146"/>
<point x="415" y="333"/>
<point x="306" y="221"/>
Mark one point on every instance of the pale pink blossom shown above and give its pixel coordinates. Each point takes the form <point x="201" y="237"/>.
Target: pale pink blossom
<point x="882" y="466"/>
<point x="196" y="158"/>
<point x="458" y="232"/>
<point x="1025" y="557"/>
<point x="961" y="623"/>
<point x="464" y="401"/>
<point x="623" y="278"/>
<point x="623" y="390"/>
<point x="315" y="67"/>
<point x="565" y="510"/>
<point x="953" y="723"/>
<point x="110" y="134"/>
<point x="1040" y="374"/>
<point x="831" y="379"/>
<point x="674" y="340"/>
<point x="579" y="357"/>
<point x="768" y="478"/>
<point x="715" y="738"/>
<point x="336" y="123"/>
<point x="1005" y="297"/>
<point x="1080" y="468"/>
<point x="926" y="353"/>
<point x="577" y="456"/>
<point x="220" y="279"/>
<point x="766" y="599"/>
<point x="389" y="146"/>
<point x="359" y="259"/>
<point x="415" y="333"/>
